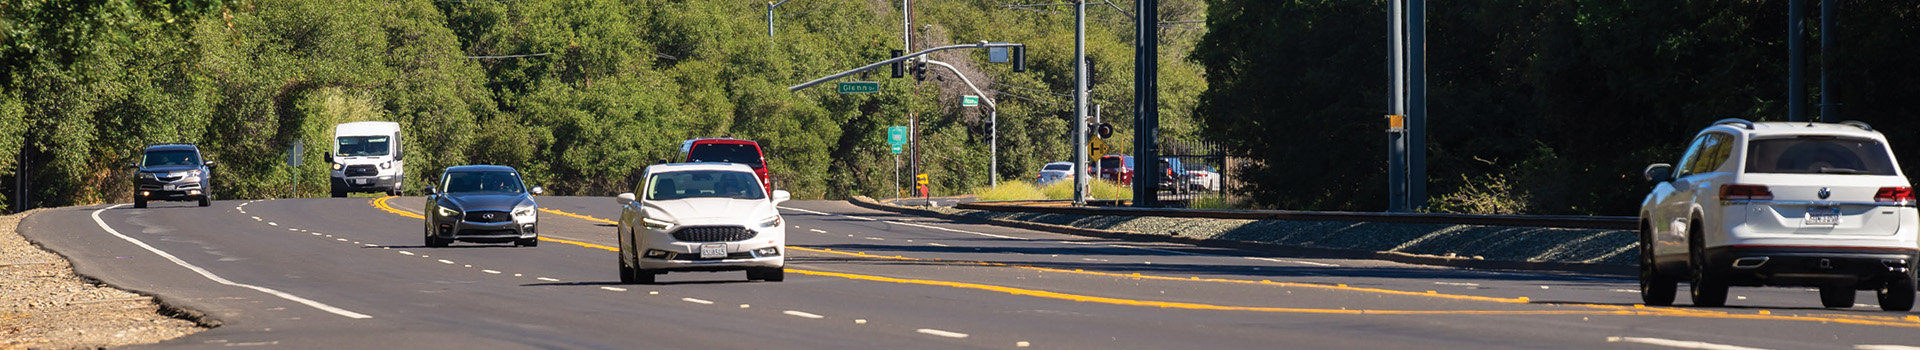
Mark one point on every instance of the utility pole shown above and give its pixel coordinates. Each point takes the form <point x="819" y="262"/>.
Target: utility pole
<point x="1397" y="110"/>
<point x="1407" y="119"/>
<point x="1080" y="101"/>
<point x="1796" y="61"/>
<point x="1146" y="101"/>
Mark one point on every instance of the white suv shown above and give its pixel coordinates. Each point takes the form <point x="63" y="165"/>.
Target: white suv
<point x="1780" y="204"/>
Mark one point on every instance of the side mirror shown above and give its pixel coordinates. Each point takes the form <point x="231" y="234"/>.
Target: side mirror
<point x="660" y="161"/>
<point x="781" y="196"/>
<point x="328" y="156"/>
<point x="133" y="166"/>
<point x="209" y="163"/>
<point x="537" y="190"/>
<point x="624" y="198"/>
<point x="431" y="190"/>
<point x="1659" y="172"/>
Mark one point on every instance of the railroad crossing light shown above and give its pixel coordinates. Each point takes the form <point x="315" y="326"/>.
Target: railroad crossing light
<point x="1104" y="130"/>
<point x="899" y="69"/>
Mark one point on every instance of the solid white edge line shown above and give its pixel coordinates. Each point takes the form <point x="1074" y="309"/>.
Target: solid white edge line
<point x="941" y="333"/>
<point x="1681" y="344"/>
<point x="216" y="278"/>
<point x="1885" y="347"/>
<point x="803" y="314"/>
<point x="1310" y="263"/>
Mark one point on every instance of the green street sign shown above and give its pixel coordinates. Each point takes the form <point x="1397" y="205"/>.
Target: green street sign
<point x="898" y="148"/>
<point x="969" y="101"/>
<point x="897" y="136"/>
<point x="859" y="87"/>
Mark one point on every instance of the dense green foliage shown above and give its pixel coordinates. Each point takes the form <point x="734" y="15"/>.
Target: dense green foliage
<point x="1536" y="106"/>
<point x="581" y="95"/>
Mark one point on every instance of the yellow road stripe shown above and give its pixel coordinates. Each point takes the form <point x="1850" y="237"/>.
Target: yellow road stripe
<point x="1602" y="310"/>
<point x="577" y="216"/>
<point x="382" y="204"/>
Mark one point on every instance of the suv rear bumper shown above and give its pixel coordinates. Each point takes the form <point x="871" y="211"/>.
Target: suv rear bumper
<point x="1864" y="268"/>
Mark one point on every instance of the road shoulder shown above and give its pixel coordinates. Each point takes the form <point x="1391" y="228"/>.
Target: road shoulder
<point x="47" y="305"/>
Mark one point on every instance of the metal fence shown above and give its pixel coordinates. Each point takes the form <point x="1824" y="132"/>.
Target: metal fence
<point x="1200" y="171"/>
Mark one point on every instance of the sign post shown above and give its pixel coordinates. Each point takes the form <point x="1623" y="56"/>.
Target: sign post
<point x="294" y="158"/>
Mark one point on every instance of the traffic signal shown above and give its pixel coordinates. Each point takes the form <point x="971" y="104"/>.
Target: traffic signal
<point x="1020" y="59"/>
<point x="1091" y="79"/>
<point x="899" y="68"/>
<point x="920" y="71"/>
<point x="990" y="132"/>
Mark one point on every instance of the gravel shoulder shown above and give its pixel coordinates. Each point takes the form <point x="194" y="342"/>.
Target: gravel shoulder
<point x="44" y="305"/>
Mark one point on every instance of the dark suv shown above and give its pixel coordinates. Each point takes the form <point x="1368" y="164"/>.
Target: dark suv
<point x="172" y="172"/>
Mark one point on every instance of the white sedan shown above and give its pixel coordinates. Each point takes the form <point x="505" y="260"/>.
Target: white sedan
<point x="701" y="217"/>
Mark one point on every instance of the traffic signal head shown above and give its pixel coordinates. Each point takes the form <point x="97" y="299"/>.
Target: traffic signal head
<point x="1020" y="59"/>
<point x="899" y="69"/>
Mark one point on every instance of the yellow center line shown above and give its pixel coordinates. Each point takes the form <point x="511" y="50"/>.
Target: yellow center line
<point x="382" y="204"/>
<point x="1599" y="310"/>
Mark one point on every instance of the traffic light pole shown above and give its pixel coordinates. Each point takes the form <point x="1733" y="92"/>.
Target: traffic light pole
<point x="993" y="123"/>
<point x="1019" y="54"/>
<point x="1080" y="102"/>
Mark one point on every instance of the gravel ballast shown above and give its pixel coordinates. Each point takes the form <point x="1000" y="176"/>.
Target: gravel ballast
<point x="44" y="305"/>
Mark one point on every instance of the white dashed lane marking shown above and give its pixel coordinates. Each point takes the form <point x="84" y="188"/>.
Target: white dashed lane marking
<point x="816" y="230"/>
<point x="942" y="333"/>
<point x="546" y="279"/>
<point x="490" y="271"/>
<point x="616" y="289"/>
<point x="445" y="261"/>
<point x="803" y="314"/>
<point x="696" y="301"/>
<point x="1680" y="344"/>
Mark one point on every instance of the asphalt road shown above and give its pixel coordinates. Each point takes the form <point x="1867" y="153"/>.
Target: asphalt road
<point x="351" y="273"/>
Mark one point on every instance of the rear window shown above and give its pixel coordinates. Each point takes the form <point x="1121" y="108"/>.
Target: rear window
<point x="1060" y="167"/>
<point x="1818" y="155"/>
<point x="726" y="153"/>
<point x="1113" y="163"/>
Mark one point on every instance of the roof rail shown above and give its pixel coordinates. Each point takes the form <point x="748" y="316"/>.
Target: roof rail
<point x="1742" y="122"/>
<point x="1858" y="124"/>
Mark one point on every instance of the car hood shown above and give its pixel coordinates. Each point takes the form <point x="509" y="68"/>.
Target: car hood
<point x="488" y="201"/>
<point x="695" y="211"/>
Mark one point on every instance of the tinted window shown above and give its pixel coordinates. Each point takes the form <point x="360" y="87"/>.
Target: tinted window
<point x="170" y="158"/>
<point x="363" y="146"/>
<point x="1818" y="155"/>
<point x="1059" y="167"/>
<point x="1112" y="163"/>
<point x="483" y="181"/>
<point x="705" y="184"/>
<point x="726" y="153"/>
<point x="1685" y="166"/>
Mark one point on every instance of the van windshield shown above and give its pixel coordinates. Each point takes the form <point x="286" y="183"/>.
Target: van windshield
<point x="363" y="146"/>
<point x="726" y="153"/>
<point x="1818" y="155"/>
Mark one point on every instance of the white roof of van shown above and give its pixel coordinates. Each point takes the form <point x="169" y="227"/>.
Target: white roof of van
<point x="365" y="128"/>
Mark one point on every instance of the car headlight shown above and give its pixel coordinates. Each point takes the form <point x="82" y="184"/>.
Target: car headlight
<point x="448" y="212"/>
<point x="149" y="176"/>
<point x="526" y="213"/>
<point x="656" y="224"/>
<point x="771" y="222"/>
<point x="337" y="166"/>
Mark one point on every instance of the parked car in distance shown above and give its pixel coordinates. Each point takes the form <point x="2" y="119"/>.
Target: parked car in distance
<point x="1117" y="168"/>
<point x="1203" y="177"/>
<point x="1173" y="175"/>
<point x="482" y="204"/>
<point x="701" y="217"/>
<point x="728" y="150"/>
<point x="1781" y="204"/>
<point x="172" y="172"/>
<point x="1054" y="171"/>
<point x="367" y="157"/>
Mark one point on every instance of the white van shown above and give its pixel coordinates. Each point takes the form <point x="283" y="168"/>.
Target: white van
<point x="366" y="157"/>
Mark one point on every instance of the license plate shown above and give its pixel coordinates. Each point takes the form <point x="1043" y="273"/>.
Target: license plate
<point x="169" y="187"/>
<point x="1825" y="216"/>
<point x="713" y="250"/>
<point x="359" y="181"/>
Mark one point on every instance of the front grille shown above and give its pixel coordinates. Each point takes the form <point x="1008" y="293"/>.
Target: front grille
<point x="489" y="216"/>
<point x="487" y="233"/>
<point x="696" y="256"/>
<point x="713" y="234"/>
<point x="362" y="170"/>
<point x="169" y="178"/>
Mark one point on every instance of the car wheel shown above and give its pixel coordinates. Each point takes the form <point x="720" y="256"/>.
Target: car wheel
<point x="627" y="273"/>
<point x="1707" y="288"/>
<point x="139" y="203"/>
<point x="1897" y="295"/>
<point x="204" y="201"/>
<point x="1837" y="296"/>
<point x="769" y="274"/>
<point x="530" y="242"/>
<point x="432" y="240"/>
<point x="1656" y="289"/>
<point x="337" y="192"/>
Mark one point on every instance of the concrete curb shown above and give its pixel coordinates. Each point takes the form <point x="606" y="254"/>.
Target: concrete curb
<point x="1461" y="262"/>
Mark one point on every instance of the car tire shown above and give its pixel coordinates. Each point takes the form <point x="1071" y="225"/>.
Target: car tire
<point x="1656" y="289"/>
<point x="337" y="192"/>
<point x="1707" y="288"/>
<point x="205" y="201"/>
<point x="1837" y="296"/>
<point x="1896" y="295"/>
<point x="530" y="242"/>
<point x="139" y="203"/>
<point x="432" y="240"/>
<point x="769" y="274"/>
<point x="627" y="273"/>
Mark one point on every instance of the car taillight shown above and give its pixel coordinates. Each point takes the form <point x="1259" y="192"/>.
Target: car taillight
<point x="1745" y="192"/>
<point x="1894" y="194"/>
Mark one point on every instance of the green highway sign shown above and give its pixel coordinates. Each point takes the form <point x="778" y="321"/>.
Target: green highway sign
<point x="898" y="148"/>
<point x="969" y="101"/>
<point x="896" y="136"/>
<point x="859" y="87"/>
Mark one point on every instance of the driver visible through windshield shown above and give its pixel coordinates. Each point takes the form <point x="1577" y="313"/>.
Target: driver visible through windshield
<point x="705" y="184"/>
<point x="483" y="181"/>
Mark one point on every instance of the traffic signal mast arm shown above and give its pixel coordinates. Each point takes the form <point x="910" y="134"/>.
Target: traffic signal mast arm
<point x="1019" y="57"/>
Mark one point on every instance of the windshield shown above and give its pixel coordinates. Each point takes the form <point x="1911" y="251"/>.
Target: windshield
<point x="362" y="146"/>
<point x="726" y="153"/>
<point x="169" y="158"/>
<point x="1059" y="167"/>
<point x="483" y="181"/>
<point x="704" y="184"/>
<point x="1818" y="155"/>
